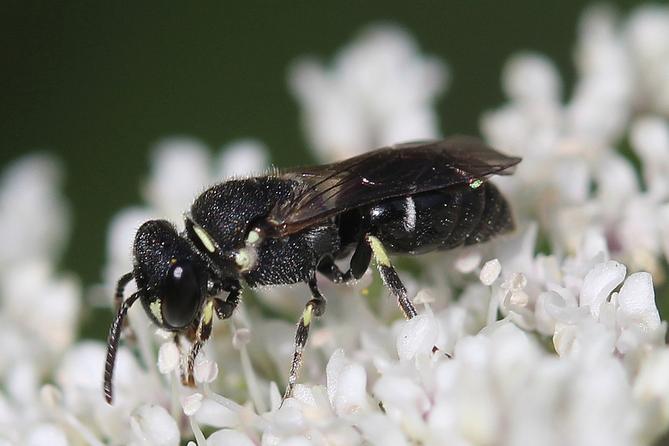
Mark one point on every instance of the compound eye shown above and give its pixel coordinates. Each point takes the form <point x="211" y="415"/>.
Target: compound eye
<point x="181" y="295"/>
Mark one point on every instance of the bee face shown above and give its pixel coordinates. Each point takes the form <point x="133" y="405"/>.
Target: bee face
<point x="170" y="276"/>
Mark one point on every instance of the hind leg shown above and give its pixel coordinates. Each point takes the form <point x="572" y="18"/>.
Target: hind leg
<point x="389" y="276"/>
<point x="369" y="247"/>
<point x="362" y="257"/>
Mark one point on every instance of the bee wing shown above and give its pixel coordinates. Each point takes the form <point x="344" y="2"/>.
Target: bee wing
<point x="403" y="169"/>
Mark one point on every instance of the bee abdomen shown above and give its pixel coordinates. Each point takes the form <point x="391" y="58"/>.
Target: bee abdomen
<point x="441" y="219"/>
<point x="495" y="218"/>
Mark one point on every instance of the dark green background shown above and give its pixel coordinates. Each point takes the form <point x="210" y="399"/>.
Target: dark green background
<point x="98" y="83"/>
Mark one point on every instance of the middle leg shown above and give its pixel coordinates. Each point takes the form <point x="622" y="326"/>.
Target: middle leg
<point x="223" y="310"/>
<point x="360" y="260"/>
<point x="314" y="308"/>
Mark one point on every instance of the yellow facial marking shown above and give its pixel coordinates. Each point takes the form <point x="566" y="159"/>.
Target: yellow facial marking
<point x="155" y="310"/>
<point x="379" y="253"/>
<point x="476" y="184"/>
<point x="204" y="238"/>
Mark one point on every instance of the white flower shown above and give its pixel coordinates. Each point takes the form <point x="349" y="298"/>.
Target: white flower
<point x="168" y="357"/>
<point x="599" y="283"/>
<point x="242" y="158"/>
<point x="79" y="376"/>
<point x="380" y="90"/>
<point x="39" y="309"/>
<point x="649" y="136"/>
<point x="468" y="260"/>
<point x="346" y="384"/>
<point x="651" y="389"/>
<point x="229" y="437"/>
<point x="180" y="165"/>
<point x="34" y="218"/>
<point x="531" y="79"/>
<point x="52" y="304"/>
<point x="153" y="425"/>
<point x="417" y="336"/>
<point x="192" y="403"/>
<point x="569" y="148"/>
<point x="206" y="371"/>
<point x="647" y="34"/>
<point x="490" y="272"/>
<point x="636" y="303"/>
<point x="46" y="435"/>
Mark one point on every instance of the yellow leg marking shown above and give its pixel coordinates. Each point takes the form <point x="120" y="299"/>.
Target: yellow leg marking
<point x="379" y="252"/>
<point x="203" y="333"/>
<point x="205" y="321"/>
<point x="307" y="315"/>
<point x="156" y="310"/>
<point x="208" y="312"/>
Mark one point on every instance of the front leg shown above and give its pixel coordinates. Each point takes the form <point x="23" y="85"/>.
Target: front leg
<point x="223" y="310"/>
<point x="202" y="333"/>
<point x="315" y="307"/>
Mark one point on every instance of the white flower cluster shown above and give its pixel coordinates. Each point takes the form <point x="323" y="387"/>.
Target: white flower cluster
<point x="573" y="178"/>
<point x="39" y="307"/>
<point x="559" y="348"/>
<point x="380" y="90"/>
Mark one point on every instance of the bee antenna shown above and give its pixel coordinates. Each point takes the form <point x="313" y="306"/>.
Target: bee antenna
<point x="120" y="286"/>
<point x="113" y="339"/>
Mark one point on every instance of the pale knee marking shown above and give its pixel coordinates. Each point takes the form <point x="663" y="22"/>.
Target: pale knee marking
<point x="379" y="252"/>
<point x="307" y="315"/>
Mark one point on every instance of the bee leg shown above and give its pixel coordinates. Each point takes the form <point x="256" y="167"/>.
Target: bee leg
<point x="329" y="269"/>
<point x="360" y="260"/>
<point x="390" y="277"/>
<point x="177" y="341"/>
<point x="201" y="335"/>
<point x="314" y="308"/>
<point x="224" y="308"/>
<point x="118" y="301"/>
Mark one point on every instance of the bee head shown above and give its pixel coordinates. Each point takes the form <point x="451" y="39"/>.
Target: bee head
<point x="171" y="277"/>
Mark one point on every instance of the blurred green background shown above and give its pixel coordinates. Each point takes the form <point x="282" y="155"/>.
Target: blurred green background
<point x="97" y="83"/>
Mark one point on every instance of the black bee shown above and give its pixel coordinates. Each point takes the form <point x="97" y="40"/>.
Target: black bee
<point x="284" y="227"/>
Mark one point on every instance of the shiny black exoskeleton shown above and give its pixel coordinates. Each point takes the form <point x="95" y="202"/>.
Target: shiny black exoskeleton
<point x="282" y="228"/>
